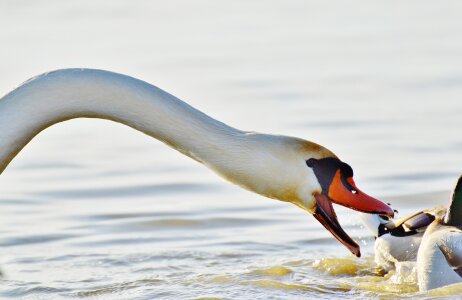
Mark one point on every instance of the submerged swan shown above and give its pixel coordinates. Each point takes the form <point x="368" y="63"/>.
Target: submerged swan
<point x="279" y="167"/>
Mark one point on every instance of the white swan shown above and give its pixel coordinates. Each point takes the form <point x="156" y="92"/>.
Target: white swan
<point x="439" y="260"/>
<point x="280" y="167"/>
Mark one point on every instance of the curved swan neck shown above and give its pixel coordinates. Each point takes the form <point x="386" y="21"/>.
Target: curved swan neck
<point x="81" y="93"/>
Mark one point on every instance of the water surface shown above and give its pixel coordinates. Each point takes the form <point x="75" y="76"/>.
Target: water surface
<point x="92" y="209"/>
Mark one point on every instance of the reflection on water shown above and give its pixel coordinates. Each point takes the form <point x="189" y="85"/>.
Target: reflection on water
<point x="92" y="209"/>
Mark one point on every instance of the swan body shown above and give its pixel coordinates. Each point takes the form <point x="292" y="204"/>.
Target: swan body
<point x="439" y="260"/>
<point x="279" y="167"/>
<point x="398" y="240"/>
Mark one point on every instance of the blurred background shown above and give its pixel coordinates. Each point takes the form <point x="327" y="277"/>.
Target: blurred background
<point x="92" y="208"/>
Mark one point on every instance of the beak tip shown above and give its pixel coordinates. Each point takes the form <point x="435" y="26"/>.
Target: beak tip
<point x="355" y="251"/>
<point x="390" y="212"/>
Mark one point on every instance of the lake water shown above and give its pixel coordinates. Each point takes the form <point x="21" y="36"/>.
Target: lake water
<point x="92" y="209"/>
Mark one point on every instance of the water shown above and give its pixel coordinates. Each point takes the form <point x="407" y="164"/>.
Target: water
<point x="91" y="209"/>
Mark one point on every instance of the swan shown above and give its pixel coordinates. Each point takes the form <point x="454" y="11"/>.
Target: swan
<point x="278" y="167"/>
<point x="439" y="260"/>
<point x="398" y="240"/>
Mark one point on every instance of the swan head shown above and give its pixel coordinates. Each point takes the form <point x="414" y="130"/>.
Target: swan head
<point x="307" y="175"/>
<point x="335" y="179"/>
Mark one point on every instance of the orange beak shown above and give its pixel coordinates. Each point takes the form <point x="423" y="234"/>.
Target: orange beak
<point x="344" y="192"/>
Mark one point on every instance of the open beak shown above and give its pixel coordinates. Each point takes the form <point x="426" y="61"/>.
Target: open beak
<point x="344" y="192"/>
<point x="325" y="214"/>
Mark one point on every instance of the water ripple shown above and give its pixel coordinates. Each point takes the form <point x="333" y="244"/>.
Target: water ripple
<point x="34" y="239"/>
<point x="134" y="190"/>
